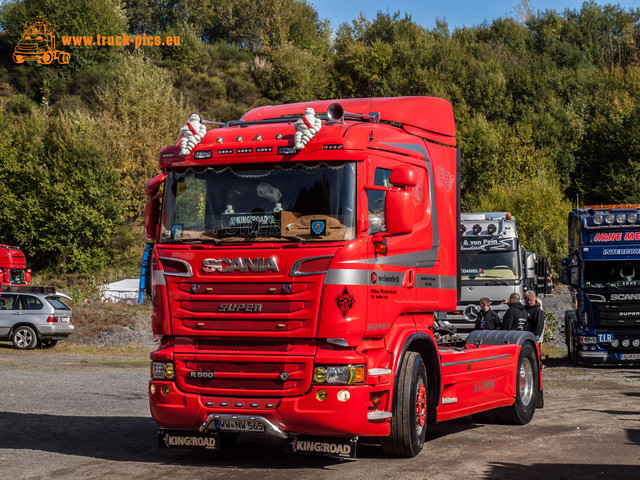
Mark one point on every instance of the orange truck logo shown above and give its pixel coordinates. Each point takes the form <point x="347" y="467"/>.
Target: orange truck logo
<point x="38" y="43"/>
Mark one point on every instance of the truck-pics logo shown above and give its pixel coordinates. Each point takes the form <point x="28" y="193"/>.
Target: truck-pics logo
<point x="243" y="265"/>
<point x="38" y="43"/>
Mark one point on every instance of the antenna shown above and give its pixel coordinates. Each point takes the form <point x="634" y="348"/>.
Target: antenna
<point x="370" y="113"/>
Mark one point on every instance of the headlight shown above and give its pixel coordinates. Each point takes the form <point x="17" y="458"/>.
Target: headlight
<point x="338" y="375"/>
<point x="162" y="371"/>
<point x="587" y="340"/>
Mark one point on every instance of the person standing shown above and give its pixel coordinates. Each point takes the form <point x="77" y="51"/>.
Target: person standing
<point x="487" y="318"/>
<point x="515" y="318"/>
<point x="535" y="315"/>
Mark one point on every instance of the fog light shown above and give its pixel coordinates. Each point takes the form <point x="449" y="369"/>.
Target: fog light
<point x="584" y="347"/>
<point x="593" y="347"/>
<point x="319" y="375"/>
<point x="615" y="343"/>
<point x="152" y="389"/>
<point x="626" y="342"/>
<point x="321" y="395"/>
<point x="344" y="395"/>
<point x="166" y="390"/>
<point x="636" y="343"/>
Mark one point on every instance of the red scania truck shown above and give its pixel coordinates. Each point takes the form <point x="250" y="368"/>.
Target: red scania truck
<point x="13" y="266"/>
<point x="300" y="257"/>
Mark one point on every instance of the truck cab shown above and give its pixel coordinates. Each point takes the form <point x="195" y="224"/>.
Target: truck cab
<point x="603" y="271"/>
<point x="493" y="264"/>
<point x="13" y="266"/>
<point x="299" y="256"/>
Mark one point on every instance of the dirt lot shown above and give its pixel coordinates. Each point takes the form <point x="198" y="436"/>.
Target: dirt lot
<point x="77" y="416"/>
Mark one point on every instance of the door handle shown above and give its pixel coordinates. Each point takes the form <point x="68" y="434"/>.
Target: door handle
<point x="410" y="278"/>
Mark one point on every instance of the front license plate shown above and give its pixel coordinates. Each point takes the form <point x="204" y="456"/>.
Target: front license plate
<point x="239" y="426"/>
<point x="630" y="356"/>
<point x="605" y="337"/>
<point x="188" y="439"/>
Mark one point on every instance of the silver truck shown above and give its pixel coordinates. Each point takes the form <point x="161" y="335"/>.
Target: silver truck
<point x="493" y="264"/>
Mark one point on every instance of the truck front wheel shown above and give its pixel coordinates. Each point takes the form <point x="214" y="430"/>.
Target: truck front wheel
<point x="409" y="421"/>
<point x="521" y="412"/>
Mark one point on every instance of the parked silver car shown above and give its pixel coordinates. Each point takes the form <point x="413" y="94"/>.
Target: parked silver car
<point x="32" y="316"/>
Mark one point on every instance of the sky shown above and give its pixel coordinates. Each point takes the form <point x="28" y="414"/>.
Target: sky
<point x="457" y="13"/>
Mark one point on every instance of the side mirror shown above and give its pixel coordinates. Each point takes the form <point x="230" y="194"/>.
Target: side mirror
<point x="565" y="262"/>
<point x="152" y="211"/>
<point x="398" y="212"/>
<point x="531" y="264"/>
<point x="565" y="276"/>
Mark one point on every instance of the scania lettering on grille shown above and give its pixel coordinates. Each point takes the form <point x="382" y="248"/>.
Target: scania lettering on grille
<point x="625" y="296"/>
<point x="225" y="265"/>
<point x="240" y="307"/>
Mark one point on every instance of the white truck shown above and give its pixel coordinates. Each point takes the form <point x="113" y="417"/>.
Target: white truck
<point x="493" y="264"/>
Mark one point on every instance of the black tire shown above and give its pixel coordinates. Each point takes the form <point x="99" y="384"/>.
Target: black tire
<point x="527" y="389"/>
<point x="24" y="338"/>
<point x="572" y="353"/>
<point x="48" y="343"/>
<point x="409" y="421"/>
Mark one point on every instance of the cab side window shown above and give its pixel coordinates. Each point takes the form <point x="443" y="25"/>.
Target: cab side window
<point x="32" y="303"/>
<point x="376" y="199"/>
<point x="10" y="302"/>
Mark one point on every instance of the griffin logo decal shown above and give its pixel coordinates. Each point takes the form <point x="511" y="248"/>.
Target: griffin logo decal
<point x="344" y="301"/>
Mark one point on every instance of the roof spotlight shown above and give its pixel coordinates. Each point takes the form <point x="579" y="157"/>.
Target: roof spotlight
<point x="492" y="228"/>
<point x="598" y="219"/>
<point x="632" y="218"/>
<point x="620" y="218"/>
<point x="608" y="219"/>
<point x="477" y="229"/>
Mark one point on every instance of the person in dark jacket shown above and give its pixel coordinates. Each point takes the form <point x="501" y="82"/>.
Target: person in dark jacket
<point x="515" y="318"/>
<point x="487" y="318"/>
<point x="535" y="315"/>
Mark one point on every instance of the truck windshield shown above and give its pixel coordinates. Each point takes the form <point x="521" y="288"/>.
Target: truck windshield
<point x="298" y="202"/>
<point x="17" y="276"/>
<point x="489" y="266"/>
<point x="611" y="273"/>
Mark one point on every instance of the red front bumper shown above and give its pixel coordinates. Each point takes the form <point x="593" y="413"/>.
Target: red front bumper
<point x="292" y="415"/>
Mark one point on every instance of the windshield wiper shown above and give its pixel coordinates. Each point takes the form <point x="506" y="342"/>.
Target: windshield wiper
<point x="496" y="282"/>
<point x="196" y="240"/>
<point x="294" y="238"/>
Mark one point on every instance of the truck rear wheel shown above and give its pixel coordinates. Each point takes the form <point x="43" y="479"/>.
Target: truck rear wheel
<point x="521" y="412"/>
<point x="409" y="421"/>
<point x="24" y="338"/>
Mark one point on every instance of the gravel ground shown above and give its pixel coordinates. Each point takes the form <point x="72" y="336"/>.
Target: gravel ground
<point x="85" y="417"/>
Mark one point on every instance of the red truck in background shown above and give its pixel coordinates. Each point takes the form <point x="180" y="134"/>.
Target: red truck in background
<point x="13" y="266"/>
<point x="298" y="277"/>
